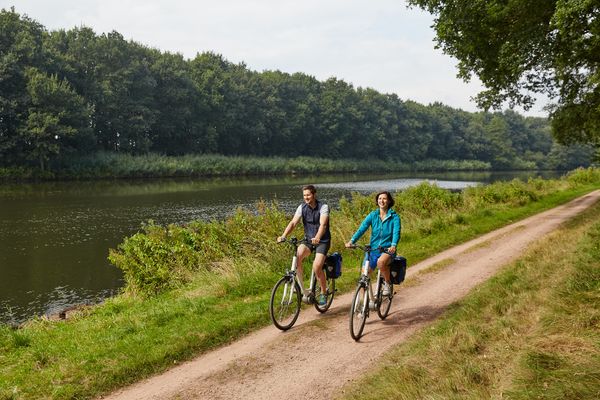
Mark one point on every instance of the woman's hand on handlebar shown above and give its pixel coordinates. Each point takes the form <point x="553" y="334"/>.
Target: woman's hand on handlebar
<point x="350" y="245"/>
<point x="390" y="250"/>
<point x="281" y="239"/>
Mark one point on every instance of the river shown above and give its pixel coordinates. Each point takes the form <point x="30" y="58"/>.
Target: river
<point x="54" y="237"/>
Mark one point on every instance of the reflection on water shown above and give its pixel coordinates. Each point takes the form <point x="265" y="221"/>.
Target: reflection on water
<point x="54" y="237"/>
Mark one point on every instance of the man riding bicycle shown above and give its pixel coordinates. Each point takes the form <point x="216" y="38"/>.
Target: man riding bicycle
<point x="315" y="218"/>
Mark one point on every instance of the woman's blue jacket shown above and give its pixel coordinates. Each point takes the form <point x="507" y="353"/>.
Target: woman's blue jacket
<point x="384" y="233"/>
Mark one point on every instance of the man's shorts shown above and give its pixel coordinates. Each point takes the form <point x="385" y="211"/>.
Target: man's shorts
<point x="321" y="248"/>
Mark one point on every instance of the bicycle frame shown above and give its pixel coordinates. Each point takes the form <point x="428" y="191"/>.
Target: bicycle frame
<point x="289" y="292"/>
<point x="365" y="279"/>
<point x="306" y="293"/>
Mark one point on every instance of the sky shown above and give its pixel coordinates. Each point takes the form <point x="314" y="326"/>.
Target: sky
<point x="380" y="44"/>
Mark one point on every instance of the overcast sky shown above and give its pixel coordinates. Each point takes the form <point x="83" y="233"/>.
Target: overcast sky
<point x="379" y="44"/>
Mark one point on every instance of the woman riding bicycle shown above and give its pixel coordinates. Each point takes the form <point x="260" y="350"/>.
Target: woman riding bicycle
<point x="385" y="233"/>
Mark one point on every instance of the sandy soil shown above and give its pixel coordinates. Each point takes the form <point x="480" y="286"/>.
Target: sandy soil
<point x="274" y="364"/>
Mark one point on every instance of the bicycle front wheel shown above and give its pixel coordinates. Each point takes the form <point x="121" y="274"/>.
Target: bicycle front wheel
<point x="385" y="302"/>
<point x="329" y="295"/>
<point x="284" y="306"/>
<point x="359" y="310"/>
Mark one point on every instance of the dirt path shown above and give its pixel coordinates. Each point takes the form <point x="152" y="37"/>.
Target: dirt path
<point x="272" y="364"/>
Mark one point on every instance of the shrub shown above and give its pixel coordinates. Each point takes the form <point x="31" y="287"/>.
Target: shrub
<point x="584" y="176"/>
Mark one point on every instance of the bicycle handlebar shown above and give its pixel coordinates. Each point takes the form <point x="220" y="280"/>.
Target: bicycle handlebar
<point x="294" y="241"/>
<point x="368" y="248"/>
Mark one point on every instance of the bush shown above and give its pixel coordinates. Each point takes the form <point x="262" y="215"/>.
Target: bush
<point x="584" y="176"/>
<point x="163" y="258"/>
<point x="426" y="199"/>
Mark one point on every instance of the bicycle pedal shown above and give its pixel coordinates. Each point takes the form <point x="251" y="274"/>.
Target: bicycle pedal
<point x="308" y="299"/>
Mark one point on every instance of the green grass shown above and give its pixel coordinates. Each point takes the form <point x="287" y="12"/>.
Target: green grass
<point x="212" y="285"/>
<point x="531" y="332"/>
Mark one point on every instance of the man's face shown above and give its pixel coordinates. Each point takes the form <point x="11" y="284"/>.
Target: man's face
<point x="308" y="196"/>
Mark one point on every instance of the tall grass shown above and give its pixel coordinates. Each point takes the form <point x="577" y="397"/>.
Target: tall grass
<point x="114" y="165"/>
<point x="191" y="288"/>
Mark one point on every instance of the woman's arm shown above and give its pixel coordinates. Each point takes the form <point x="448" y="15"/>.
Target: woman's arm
<point x="362" y="228"/>
<point x="396" y="229"/>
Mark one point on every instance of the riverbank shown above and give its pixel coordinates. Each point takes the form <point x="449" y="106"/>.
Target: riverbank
<point x="122" y="166"/>
<point x="190" y="290"/>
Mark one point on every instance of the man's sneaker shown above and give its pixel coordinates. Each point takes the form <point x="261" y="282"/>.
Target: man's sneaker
<point x="386" y="289"/>
<point x="322" y="299"/>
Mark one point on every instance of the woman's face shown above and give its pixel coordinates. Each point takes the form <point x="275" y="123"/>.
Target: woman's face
<point x="383" y="201"/>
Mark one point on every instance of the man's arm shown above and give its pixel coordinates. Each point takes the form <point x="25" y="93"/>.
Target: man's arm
<point x="290" y="227"/>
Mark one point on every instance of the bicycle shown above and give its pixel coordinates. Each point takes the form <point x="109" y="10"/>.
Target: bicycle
<point x="289" y="293"/>
<point x="364" y="296"/>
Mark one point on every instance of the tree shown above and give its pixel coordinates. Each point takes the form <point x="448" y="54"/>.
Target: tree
<point x="124" y="109"/>
<point x="522" y="48"/>
<point x="20" y="47"/>
<point x="56" y="113"/>
<point x="179" y="127"/>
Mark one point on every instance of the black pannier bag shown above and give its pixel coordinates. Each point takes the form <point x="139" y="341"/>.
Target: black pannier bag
<point x="333" y="265"/>
<point x="398" y="270"/>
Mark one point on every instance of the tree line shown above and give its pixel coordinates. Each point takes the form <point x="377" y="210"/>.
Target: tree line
<point x="71" y="93"/>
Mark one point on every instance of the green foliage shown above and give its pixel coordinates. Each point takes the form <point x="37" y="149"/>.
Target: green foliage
<point x="163" y="258"/>
<point x="114" y="165"/>
<point x="515" y="192"/>
<point x="426" y="200"/>
<point x="56" y="114"/>
<point x="520" y="49"/>
<point x="583" y="176"/>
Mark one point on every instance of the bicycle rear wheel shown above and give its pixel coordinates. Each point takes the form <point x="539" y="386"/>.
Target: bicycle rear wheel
<point x="359" y="310"/>
<point x="329" y="294"/>
<point x="284" y="306"/>
<point x="385" y="302"/>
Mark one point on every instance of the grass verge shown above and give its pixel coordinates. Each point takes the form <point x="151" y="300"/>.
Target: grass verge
<point x="531" y="332"/>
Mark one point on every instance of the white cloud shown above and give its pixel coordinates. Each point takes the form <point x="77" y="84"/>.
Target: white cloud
<point x="379" y="44"/>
